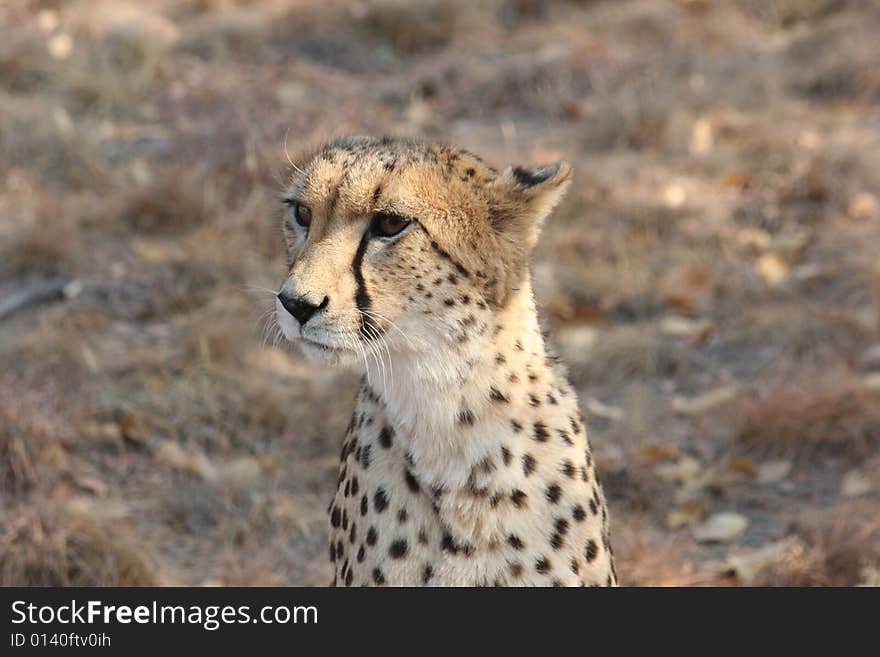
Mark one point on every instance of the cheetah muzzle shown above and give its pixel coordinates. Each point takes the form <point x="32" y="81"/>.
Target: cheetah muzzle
<point x="466" y="462"/>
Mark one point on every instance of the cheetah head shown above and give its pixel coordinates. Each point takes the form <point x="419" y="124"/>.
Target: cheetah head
<point x="400" y="245"/>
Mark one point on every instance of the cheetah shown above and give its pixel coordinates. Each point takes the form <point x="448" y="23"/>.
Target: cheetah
<point x="466" y="461"/>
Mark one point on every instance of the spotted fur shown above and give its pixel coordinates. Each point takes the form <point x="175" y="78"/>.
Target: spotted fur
<point x="465" y="462"/>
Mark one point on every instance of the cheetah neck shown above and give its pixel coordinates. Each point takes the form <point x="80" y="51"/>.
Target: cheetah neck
<point x="458" y="405"/>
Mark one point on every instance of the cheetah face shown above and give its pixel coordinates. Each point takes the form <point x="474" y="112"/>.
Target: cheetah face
<point x="400" y="246"/>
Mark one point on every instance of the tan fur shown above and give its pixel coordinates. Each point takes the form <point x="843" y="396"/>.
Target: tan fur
<point x="466" y="462"/>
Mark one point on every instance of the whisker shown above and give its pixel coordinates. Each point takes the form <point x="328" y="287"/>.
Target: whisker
<point x="287" y="155"/>
<point x="257" y="288"/>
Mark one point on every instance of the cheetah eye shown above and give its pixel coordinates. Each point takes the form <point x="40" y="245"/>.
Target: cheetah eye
<point x="387" y="225"/>
<point x="302" y="214"/>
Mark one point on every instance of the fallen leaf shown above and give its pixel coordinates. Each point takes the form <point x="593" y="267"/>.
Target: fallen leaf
<point x="652" y="454"/>
<point x="689" y="513"/>
<point x="738" y="180"/>
<point x="746" y="564"/>
<point x="240" y="471"/>
<point x="704" y="402"/>
<point x="855" y="484"/>
<point x="93" y="485"/>
<point x="743" y="466"/>
<point x="721" y="528"/>
<point x="682" y="327"/>
<point x="60" y="46"/>
<point x="772" y="268"/>
<point x="771" y="472"/>
<point x="674" y="196"/>
<point x="172" y="454"/>
<point x="702" y="137"/>
<point x="685" y="469"/>
<point x="605" y="411"/>
<point x="863" y="205"/>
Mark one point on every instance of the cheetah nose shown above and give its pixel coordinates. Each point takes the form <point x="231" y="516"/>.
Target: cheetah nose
<point x="300" y="307"/>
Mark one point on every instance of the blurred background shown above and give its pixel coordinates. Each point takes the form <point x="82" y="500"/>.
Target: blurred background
<point x="712" y="278"/>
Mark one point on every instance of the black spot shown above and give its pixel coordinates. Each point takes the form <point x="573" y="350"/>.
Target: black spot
<point x="591" y="551"/>
<point x="366" y="456"/>
<point x="333" y="552"/>
<point x="518" y="498"/>
<point x="529" y="464"/>
<point x="496" y="396"/>
<point x="594" y="507"/>
<point x="515" y="542"/>
<point x="542" y="565"/>
<point x="386" y="437"/>
<point x="575" y="567"/>
<point x="534" y="401"/>
<point x="516" y="569"/>
<point x="352" y="535"/>
<point x="448" y="544"/>
<point x="364" y="505"/>
<point x="380" y="500"/>
<point x="378" y="577"/>
<point x="335" y="517"/>
<point x="506" y="456"/>
<point x="564" y="435"/>
<point x="361" y="554"/>
<point x="412" y="482"/>
<point x="517" y="427"/>
<point x="578" y="513"/>
<point x="541" y="434"/>
<point x="568" y="469"/>
<point x="561" y="525"/>
<point x="397" y="549"/>
<point x="466" y="418"/>
<point x="554" y="492"/>
<point x="452" y="279"/>
<point x="402" y="516"/>
<point x="348" y="578"/>
<point x="500" y="359"/>
<point x="372" y="536"/>
<point x="427" y="574"/>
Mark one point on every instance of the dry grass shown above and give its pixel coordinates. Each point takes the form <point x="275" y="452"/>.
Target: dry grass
<point x="839" y="547"/>
<point x="819" y="412"/>
<point x="411" y="28"/>
<point x="32" y="449"/>
<point x="44" y="545"/>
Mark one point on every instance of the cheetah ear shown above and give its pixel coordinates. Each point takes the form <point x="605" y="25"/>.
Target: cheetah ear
<point x="523" y="198"/>
<point x="520" y="200"/>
